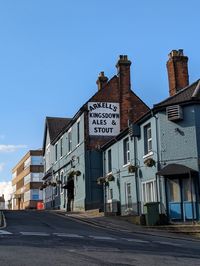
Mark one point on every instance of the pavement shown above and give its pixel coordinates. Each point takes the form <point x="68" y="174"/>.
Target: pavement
<point x="123" y="224"/>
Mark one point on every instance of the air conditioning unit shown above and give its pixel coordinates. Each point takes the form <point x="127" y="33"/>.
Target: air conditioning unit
<point x="174" y="113"/>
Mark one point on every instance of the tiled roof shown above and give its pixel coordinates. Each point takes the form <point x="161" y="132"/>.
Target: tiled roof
<point x="190" y="93"/>
<point x="56" y="125"/>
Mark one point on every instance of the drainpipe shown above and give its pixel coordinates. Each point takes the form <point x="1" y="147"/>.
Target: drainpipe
<point x="191" y="191"/>
<point x="104" y="185"/>
<point x="158" y="181"/>
<point x="136" y="179"/>
<point x="119" y="181"/>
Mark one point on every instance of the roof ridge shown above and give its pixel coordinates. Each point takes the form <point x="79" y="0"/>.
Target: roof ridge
<point x="56" y="117"/>
<point x="196" y="91"/>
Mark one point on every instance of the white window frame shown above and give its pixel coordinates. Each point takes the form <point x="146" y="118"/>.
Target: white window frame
<point x="61" y="147"/>
<point x="127" y="195"/>
<point x="147" y="140"/>
<point x="56" y="152"/>
<point x="153" y="191"/>
<point x="69" y="140"/>
<point x="126" y="151"/>
<point x="78" y="132"/>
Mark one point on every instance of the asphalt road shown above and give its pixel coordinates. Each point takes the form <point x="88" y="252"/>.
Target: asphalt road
<point x="43" y="238"/>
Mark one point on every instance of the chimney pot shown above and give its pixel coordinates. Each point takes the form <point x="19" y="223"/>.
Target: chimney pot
<point x="102" y="80"/>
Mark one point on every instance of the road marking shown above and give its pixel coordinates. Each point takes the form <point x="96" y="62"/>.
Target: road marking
<point x="136" y="240"/>
<point x="96" y="248"/>
<point x="103" y="237"/>
<point x="167" y="243"/>
<point x="4" y="232"/>
<point x="68" y="235"/>
<point x="34" y="234"/>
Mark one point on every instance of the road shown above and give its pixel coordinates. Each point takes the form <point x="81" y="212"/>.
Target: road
<point x="44" y="238"/>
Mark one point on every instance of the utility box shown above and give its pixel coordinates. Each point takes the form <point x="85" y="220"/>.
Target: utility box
<point x="151" y="210"/>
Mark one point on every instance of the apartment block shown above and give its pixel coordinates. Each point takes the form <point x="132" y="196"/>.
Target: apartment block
<point x="26" y="181"/>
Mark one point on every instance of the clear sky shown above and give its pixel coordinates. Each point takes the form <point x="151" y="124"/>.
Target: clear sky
<point x="51" y="53"/>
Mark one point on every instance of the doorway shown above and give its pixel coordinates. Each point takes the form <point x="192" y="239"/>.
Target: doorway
<point x="181" y="198"/>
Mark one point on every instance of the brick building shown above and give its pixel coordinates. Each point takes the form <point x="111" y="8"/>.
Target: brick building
<point x="26" y="180"/>
<point x="76" y="158"/>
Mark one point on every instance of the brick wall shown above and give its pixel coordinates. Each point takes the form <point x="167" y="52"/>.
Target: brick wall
<point x="177" y="67"/>
<point x="117" y="89"/>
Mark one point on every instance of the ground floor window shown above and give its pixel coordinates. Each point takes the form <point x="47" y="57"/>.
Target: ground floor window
<point x="149" y="191"/>
<point x="128" y="194"/>
<point x="110" y="196"/>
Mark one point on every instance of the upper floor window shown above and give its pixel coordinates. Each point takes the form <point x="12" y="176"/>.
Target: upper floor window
<point x="109" y="161"/>
<point x="78" y="132"/>
<point x="56" y="151"/>
<point x="147" y="139"/>
<point x="70" y="141"/>
<point x="36" y="160"/>
<point x="126" y="149"/>
<point x="61" y="147"/>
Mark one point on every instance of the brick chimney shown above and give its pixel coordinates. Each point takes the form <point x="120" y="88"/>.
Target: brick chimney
<point x="177" y="67"/>
<point x="123" y="67"/>
<point x="101" y="81"/>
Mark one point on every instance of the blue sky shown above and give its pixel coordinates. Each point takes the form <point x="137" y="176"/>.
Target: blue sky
<point x="51" y="53"/>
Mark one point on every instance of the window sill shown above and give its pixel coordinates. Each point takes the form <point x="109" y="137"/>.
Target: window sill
<point x="147" y="155"/>
<point x="109" y="173"/>
<point x="125" y="165"/>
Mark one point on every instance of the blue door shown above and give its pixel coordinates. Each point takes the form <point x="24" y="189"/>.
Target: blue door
<point x="181" y="199"/>
<point x="189" y="199"/>
<point x="174" y="199"/>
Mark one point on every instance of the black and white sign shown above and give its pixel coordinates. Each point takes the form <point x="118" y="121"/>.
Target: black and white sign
<point x="104" y="118"/>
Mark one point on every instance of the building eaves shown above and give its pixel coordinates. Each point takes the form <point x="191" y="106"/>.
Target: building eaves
<point x="120" y="136"/>
<point x="183" y="96"/>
